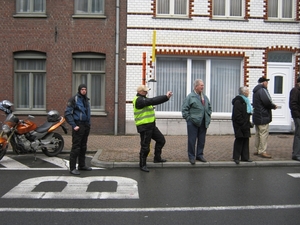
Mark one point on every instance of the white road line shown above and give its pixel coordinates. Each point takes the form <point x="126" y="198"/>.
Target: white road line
<point x="56" y="161"/>
<point x="9" y="162"/>
<point x="295" y="175"/>
<point x="169" y="209"/>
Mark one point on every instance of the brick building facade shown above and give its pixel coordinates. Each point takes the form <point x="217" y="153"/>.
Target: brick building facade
<point x="47" y="49"/>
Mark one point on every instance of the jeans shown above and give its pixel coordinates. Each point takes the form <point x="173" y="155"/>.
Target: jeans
<point x="196" y="134"/>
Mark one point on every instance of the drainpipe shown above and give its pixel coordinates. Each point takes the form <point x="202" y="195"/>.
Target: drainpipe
<point x="117" y="67"/>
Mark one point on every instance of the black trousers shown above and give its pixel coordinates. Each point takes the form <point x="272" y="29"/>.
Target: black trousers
<point x="241" y="148"/>
<point x="146" y="137"/>
<point x="79" y="146"/>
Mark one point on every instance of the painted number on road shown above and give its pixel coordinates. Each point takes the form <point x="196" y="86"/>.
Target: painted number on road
<point x="76" y="188"/>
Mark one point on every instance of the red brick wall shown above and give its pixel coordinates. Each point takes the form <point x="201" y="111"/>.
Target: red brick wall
<point x="73" y="35"/>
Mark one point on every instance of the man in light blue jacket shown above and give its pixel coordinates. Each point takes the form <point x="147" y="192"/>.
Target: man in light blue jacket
<point x="196" y="110"/>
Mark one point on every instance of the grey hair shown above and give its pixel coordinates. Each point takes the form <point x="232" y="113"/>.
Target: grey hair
<point x="197" y="82"/>
<point x="242" y="90"/>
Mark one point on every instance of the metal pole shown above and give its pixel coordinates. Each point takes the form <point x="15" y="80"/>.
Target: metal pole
<point x="117" y="66"/>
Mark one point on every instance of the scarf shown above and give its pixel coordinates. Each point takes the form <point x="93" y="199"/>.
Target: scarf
<point x="249" y="106"/>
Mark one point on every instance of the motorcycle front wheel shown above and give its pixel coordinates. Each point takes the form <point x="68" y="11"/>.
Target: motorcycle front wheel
<point x="59" y="143"/>
<point x="2" y="152"/>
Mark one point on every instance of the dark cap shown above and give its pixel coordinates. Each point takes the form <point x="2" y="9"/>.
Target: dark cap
<point x="81" y="86"/>
<point x="262" y="79"/>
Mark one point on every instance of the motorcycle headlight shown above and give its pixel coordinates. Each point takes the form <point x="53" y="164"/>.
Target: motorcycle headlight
<point x="6" y="128"/>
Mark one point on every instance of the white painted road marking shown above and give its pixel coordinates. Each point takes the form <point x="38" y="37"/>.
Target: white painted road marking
<point x="167" y="209"/>
<point x="56" y="161"/>
<point x="295" y="175"/>
<point x="76" y="188"/>
<point x="9" y="162"/>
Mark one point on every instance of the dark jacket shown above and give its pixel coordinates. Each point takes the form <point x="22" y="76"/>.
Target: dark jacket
<point x="294" y="102"/>
<point x="78" y="110"/>
<point x="142" y="101"/>
<point x="262" y="105"/>
<point x="240" y="118"/>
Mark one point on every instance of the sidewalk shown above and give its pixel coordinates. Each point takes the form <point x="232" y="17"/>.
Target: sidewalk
<point x="123" y="151"/>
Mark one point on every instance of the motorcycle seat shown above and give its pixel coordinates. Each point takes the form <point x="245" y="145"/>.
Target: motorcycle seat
<point x="45" y="127"/>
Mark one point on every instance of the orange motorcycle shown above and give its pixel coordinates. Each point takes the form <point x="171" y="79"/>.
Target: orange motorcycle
<point x="25" y="137"/>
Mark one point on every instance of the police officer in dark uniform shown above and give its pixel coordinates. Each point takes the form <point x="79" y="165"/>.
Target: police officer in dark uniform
<point x="78" y="115"/>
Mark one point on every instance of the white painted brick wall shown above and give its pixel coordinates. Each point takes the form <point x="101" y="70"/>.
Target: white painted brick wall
<point x="243" y="41"/>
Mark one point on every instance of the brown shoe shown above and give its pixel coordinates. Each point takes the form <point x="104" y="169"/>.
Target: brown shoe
<point x="265" y="155"/>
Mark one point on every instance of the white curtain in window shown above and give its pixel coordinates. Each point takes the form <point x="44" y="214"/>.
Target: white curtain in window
<point x="38" y="6"/>
<point x="198" y="71"/>
<point x="97" y="6"/>
<point x="287" y="8"/>
<point x="30" y="82"/>
<point x="23" y="5"/>
<point x="225" y="81"/>
<point x="89" y="64"/>
<point x="97" y="95"/>
<point x="236" y="7"/>
<point x="272" y="8"/>
<point x="38" y="90"/>
<point x="23" y="88"/>
<point x="81" y="6"/>
<point x="171" y="75"/>
<point x="91" y="71"/>
<point x="163" y="6"/>
<point x="180" y="7"/>
<point x="219" y="7"/>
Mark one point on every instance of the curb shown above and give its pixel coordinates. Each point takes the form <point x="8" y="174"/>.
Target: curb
<point x="285" y="163"/>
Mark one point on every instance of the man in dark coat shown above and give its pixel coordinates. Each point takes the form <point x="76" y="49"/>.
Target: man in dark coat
<point x="78" y="115"/>
<point x="294" y="104"/>
<point x="241" y="112"/>
<point x="262" y="116"/>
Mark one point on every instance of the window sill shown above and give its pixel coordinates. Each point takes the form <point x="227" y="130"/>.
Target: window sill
<point x="280" y="21"/>
<point x="88" y="16"/>
<point x="172" y="17"/>
<point x="33" y="113"/>
<point x="98" y="113"/>
<point x="229" y="18"/>
<point x="30" y="15"/>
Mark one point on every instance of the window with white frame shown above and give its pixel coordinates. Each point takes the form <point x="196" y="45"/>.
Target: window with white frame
<point x="171" y="8"/>
<point x="89" y="7"/>
<point x="30" y="81"/>
<point x="228" y="8"/>
<point x="31" y="6"/>
<point x="89" y="69"/>
<point x="222" y="78"/>
<point x="281" y="9"/>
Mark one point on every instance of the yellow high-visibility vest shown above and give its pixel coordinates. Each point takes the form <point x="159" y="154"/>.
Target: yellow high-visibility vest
<point x="144" y="115"/>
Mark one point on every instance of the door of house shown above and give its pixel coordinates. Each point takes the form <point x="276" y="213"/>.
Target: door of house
<point x="280" y="84"/>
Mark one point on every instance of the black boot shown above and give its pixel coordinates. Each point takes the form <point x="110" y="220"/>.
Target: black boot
<point x="143" y="165"/>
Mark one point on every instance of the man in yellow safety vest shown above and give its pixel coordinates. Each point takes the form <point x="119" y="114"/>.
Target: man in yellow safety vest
<point x="144" y="117"/>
